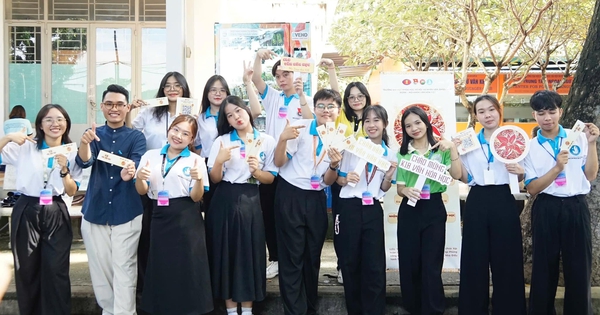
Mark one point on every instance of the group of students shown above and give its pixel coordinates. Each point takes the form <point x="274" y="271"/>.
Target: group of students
<point x="183" y="260"/>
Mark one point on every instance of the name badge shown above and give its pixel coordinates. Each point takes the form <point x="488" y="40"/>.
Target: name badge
<point x="561" y="179"/>
<point x="45" y="197"/>
<point x="283" y="112"/>
<point x="242" y="152"/>
<point x="426" y="192"/>
<point x="315" y="182"/>
<point x="367" y="198"/>
<point x="488" y="177"/>
<point x="163" y="198"/>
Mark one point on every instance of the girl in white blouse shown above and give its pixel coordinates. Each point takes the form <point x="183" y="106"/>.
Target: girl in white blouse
<point x="41" y="226"/>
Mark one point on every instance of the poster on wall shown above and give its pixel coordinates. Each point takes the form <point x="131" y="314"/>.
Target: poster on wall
<point x="434" y="93"/>
<point x="235" y="43"/>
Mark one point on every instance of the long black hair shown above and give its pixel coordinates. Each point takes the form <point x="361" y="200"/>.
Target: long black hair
<point x="348" y="111"/>
<point x="39" y="131"/>
<point x="405" y="137"/>
<point x="205" y="102"/>
<point x="161" y="111"/>
<point x="380" y="113"/>
<point x="223" y="126"/>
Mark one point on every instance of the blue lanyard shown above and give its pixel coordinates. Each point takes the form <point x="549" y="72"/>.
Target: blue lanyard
<point x="555" y="148"/>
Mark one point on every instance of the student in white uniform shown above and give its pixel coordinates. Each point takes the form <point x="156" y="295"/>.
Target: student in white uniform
<point x="234" y="225"/>
<point x="300" y="203"/>
<point x="360" y="233"/>
<point x="154" y="122"/>
<point x="215" y="91"/>
<point x="41" y="233"/>
<point x="175" y="179"/>
<point x="422" y="229"/>
<point x="491" y="233"/>
<point x="560" y="218"/>
<point x="289" y="104"/>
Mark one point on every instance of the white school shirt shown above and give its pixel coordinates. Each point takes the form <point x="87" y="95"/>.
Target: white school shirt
<point x="541" y="159"/>
<point x="236" y="170"/>
<point x="207" y="132"/>
<point x="476" y="162"/>
<point x="178" y="181"/>
<point x="155" y="131"/>
<point x="348" y="164"/>
<point x="301" y="154"/>
<point x="31" y="166"/>
<point x="272" y="100"/>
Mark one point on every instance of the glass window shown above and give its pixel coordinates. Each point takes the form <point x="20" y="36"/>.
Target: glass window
<point x="114" y="10"/>
<point x="92" y="10"/>
<point x="25" y="68"/>
<point x="153" y="10"/>
<point x="24" y="9"/>
<point x="73" y="10"/>
<point x="113" y="62"/>
<point x="154" y="57"/>
<point x="70" y="71"/>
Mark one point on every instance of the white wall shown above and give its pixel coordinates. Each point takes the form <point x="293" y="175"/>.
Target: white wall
<point x="202" y="15"/>
<point x="3" y="68"/>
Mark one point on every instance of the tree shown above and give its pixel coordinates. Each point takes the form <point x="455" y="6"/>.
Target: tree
<point x="462" y="36"/>
<point x="581" y="103"/>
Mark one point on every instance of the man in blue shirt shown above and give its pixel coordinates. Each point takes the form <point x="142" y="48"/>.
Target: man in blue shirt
<point x="112" y="212"/>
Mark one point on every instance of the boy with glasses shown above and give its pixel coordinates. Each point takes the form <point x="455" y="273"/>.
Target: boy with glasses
<point x="112" y="213"/>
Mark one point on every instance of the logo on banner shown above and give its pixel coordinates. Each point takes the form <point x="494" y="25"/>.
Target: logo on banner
<point x="422" y="81"/>
<point x="406" y="82"/>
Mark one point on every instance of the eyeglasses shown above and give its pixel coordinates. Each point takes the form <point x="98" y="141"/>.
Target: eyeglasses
<point x="175" y="87"/>
<point x="329" y="107"/>
<point x="181" y="133"/>
<point x="215" y="90"/>
<point x="359" y="97"/>
<point x="51" y="121"/>
<point x="111" y="105"/>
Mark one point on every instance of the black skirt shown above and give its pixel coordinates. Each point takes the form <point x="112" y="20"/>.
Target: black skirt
<point x="177" y="277"/>
<point x="236" y="243"/>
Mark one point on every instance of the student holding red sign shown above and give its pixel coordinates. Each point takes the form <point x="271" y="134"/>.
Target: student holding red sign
<point x="422" y="228"/>
<point x="491" y="233"/>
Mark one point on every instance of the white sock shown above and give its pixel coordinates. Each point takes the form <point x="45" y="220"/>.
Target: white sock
<point x="246" y="310"/>
<point x="232" y="310"/>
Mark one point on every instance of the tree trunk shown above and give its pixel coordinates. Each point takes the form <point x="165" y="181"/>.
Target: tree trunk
<point x="582" y="103"/>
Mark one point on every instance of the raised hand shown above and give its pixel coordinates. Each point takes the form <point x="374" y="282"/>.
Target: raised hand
<point x="20" y="137"/>
<point x="137" y="103"/>
<point x="389" y="174"/>
<point x="128" y="171"/>
<point x="562" y="159"/>
<point x="591" y="132"/>
<point x="411" y="193"/>
<point x="144" y="172"/>
<point x="290" y="132"/>
<point x="61" y="161"/>
<point x="252" y="164"/>
<point x="334" y="156"/>
<point x="515" y="168"/>
<point x="266" y="54"/>
<point x="353" y="177"/>
<point x="299" y="86"/>
<point x="195" y="171"/>
<point x="90" y="135"/>
<point x="248" y="72"/>
<point x="444" y="145"/>
<point x="224" y="154"/>
<point x="327" y="63"/>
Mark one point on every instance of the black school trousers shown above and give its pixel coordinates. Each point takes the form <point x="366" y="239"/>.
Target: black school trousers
<point x="561" y="227"/>
<point x="301" y="225"/>
<point x="41" y="240"/>
<point x="362" y="240"/>
<point x="421" y="242"/>
<point x="491" y="238"/>
<point x="267" y="204"/>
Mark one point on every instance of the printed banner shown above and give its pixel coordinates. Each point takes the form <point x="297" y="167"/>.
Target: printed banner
<point x="434" y="93"/>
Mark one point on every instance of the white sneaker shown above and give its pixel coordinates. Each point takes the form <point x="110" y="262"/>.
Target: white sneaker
<point x="272" y="270"/>
<point x="340" y="278"/>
